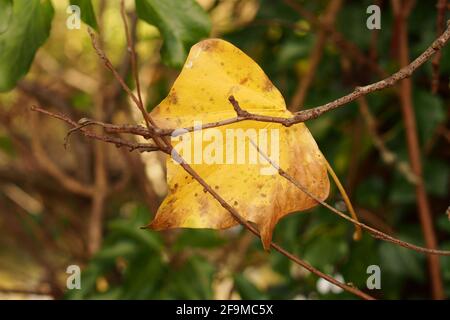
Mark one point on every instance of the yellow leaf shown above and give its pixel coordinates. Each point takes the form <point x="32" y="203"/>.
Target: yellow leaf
<point x="214" y="70"/>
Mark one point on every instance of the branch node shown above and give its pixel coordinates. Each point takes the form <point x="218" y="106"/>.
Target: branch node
<point x="240" y="112"/>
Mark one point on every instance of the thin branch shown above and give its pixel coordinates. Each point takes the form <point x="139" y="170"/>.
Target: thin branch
<point x="344" y="45"/>
<point x="132" y="51"/>
<point x="112" y="128"/>
<point x="161" y="142"/>
<point x="252" y="229"/>
<point x="401" y="12"/>
<point x="110" y="67"/>
<point x="315" y="56"/>
<point x="148" y="121"/>
<point x="315" y="112"/>
<point x="378" y="234"/>
<point x="441" y="7"/>
<point x="142" y="147"/>
<point x="304" y="115"/>
<point x="387" y="155"/>
<point x="100" y="183"/>
<point x="52" y="169"/>
<point x="403" y="73"/>
<point x="164" y="144"/>
<point x="146" y="147"/>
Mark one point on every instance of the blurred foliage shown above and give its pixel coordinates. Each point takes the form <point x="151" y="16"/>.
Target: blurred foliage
<point x="204" y="264"/>
<point x="135" y="267"/>
<point x="26" y="31"/>
<point x="5" y="14"/>
<point x="181" y="22"/>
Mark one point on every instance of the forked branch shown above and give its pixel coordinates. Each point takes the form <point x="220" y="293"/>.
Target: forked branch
<point x="162" y="143"/>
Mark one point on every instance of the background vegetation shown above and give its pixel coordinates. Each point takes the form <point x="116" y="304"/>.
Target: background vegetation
<point x="84" y="205"/>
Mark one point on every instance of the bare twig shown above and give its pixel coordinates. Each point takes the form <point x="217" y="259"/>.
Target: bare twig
<point x="100" y="185"/>
<point x="387" y="155"/>
<point x="252" y="229"/>
<point x="315" y="112"/>
<point x="110" y="67"/>
<point x="132" y="51"/>
<point x="52" y="169"/>
<point x="315" y="55"/>
<point x="425" y="215"/>
<point x="378" y="234"/>
<point x="441" y="7"/>
<point x="111" y="128"/>
<point x="118" y="142"/>
<point x="301" y="116"/>
<point x="345" y="46"/>
<point x="163" y="144"/>
<point x="160" y="141"/>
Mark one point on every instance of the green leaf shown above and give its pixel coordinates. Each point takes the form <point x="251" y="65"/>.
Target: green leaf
<point x="29" y="28"/>
<point x="87" y="12"/>
<point x="5" y="14"/>
<point x="182" y="23"/>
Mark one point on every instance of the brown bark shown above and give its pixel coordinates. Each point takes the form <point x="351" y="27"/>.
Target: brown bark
<point x="401" y="11"/>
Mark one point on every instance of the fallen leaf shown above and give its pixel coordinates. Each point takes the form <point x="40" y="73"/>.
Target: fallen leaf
<point x="214" y="70"/>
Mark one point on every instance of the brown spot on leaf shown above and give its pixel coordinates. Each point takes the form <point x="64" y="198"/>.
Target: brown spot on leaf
<point x="268" y="86"/>
<point x="173" y="97"/>
<point x="209" y="45"/>
<point x="244" y="80"/>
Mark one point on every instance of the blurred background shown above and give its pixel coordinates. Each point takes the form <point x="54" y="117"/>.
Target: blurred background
<point x="84" y="205"/>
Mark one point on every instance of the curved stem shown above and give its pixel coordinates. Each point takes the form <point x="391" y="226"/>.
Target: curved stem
<point x="358" y="233"/>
